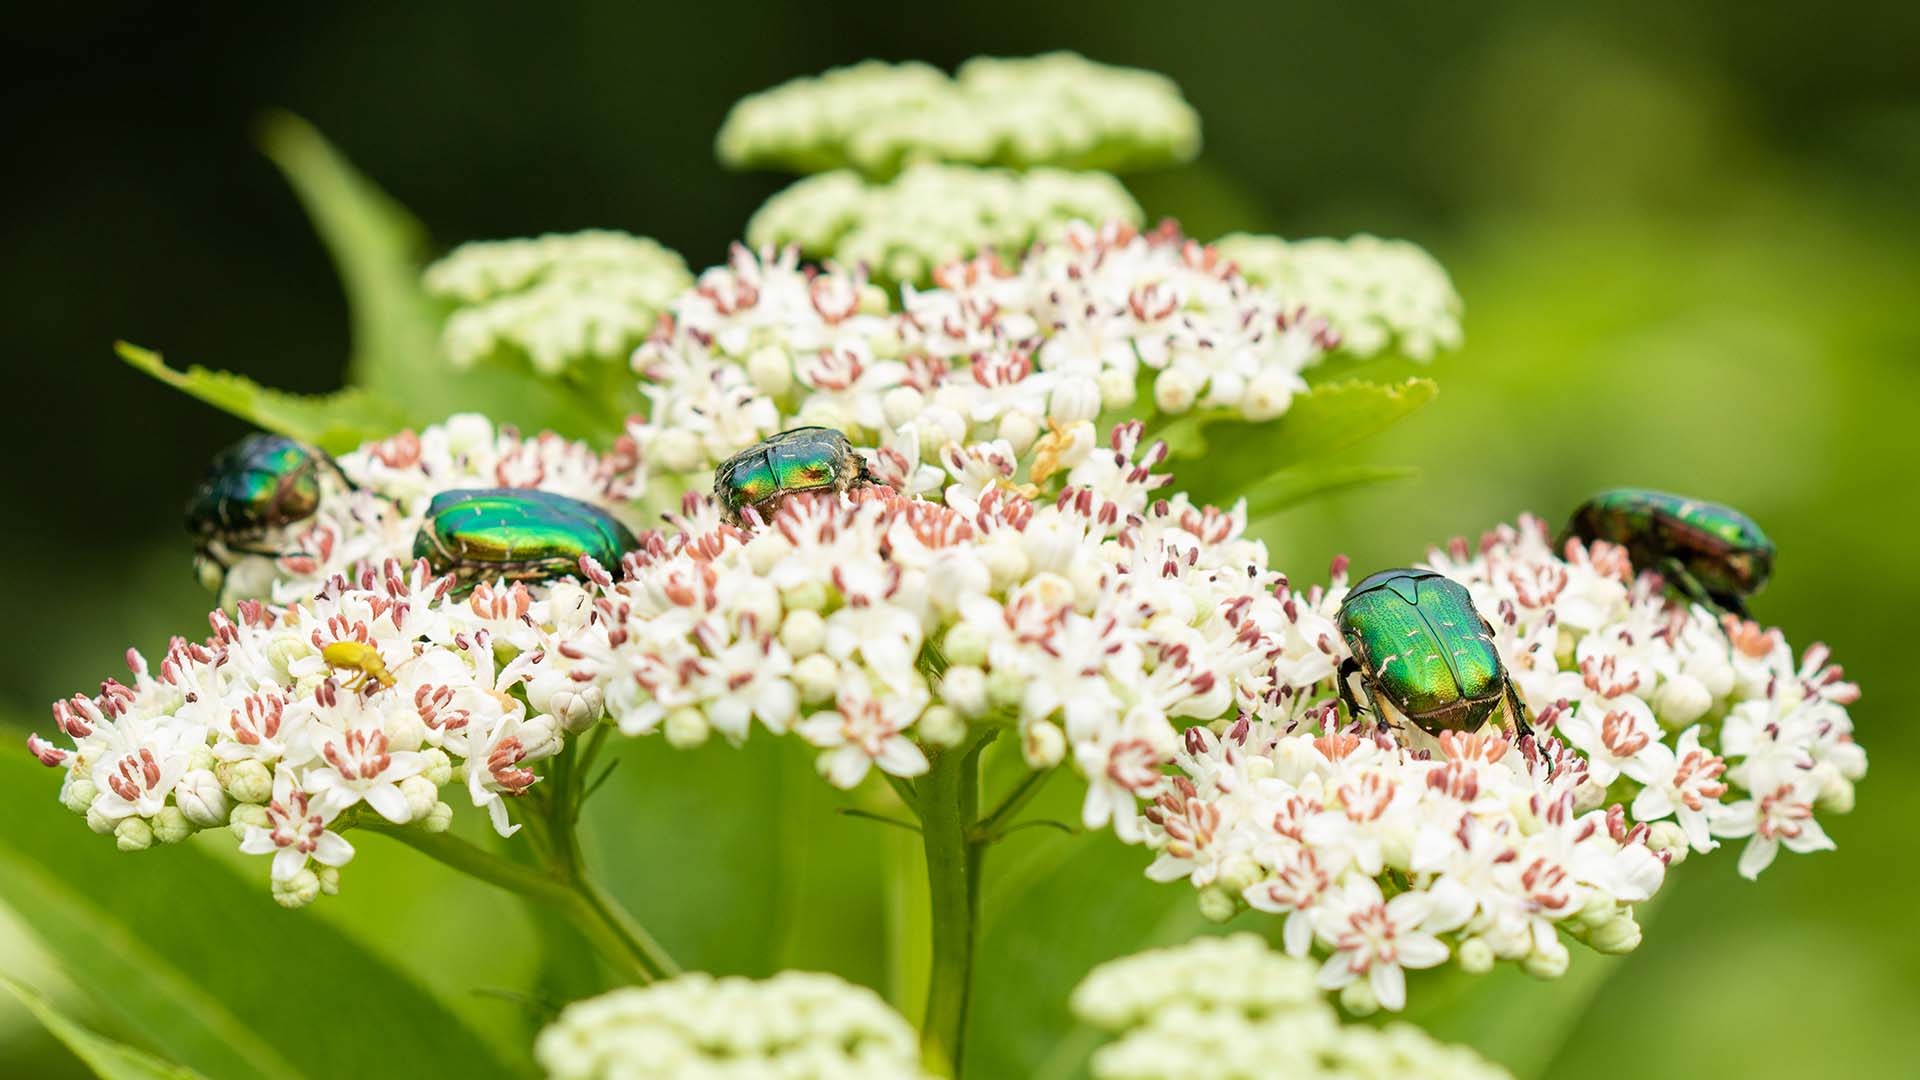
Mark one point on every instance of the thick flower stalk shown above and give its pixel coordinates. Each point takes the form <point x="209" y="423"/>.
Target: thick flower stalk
<point x="902" y="230"/>
<point x="1375" y="293"/>
<point x="1232" y="1009"/>
<point x="555" y="301"/>
<point x="371" y="509"/>
<point x="1059" y="109"/>
<point x="796" y="1025"/>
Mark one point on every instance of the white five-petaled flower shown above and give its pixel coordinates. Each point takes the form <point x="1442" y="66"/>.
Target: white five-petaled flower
<point x="296" y="831"/>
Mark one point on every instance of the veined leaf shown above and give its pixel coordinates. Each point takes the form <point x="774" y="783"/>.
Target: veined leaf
<point x="335" y="422"/>
<point x="1292" y="486"/>
<point x="203" y="966"/>
<point x="108" y="1059"/>
<point x="1328" y="417"/>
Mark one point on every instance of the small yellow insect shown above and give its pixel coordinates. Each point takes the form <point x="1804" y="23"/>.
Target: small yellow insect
<point x="361" y="659"/>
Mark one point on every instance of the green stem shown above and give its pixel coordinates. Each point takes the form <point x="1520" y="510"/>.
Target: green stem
<point x="613" y="932"/>
<point x="994" y="825"/>
<point x="948" y="803"/>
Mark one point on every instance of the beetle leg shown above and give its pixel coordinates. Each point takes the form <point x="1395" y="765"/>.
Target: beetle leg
<point x="1348" y="669"/>
<point x="1518" y="709"/>
<point x="1686" y="584"/>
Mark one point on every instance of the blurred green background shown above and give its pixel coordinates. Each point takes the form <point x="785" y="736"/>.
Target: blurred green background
<point x="1687" y="242"/>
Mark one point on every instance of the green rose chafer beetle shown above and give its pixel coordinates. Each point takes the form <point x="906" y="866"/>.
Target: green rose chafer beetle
<point x="1712" y="554"/>
<point x="261" y="483"/>
<point x="803" y="459"/>
<point x="516" y="534"/>
<point x="1418" y="642"/>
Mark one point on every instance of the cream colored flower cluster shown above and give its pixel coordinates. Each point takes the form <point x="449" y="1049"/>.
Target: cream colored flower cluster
<point x="902" y="230"/>
<point x="394" y="479"/>
<point x="793" y="1026"/>
<point x="1655" y="729"/>
<point x="1376" y="293"/>
<point x="1232" y="1009"/>
<point x="556" y="300"/>
<point x="981" y="367"/>
<point x="1059" y="109"/>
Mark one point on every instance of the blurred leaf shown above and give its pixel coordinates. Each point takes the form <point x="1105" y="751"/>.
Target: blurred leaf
<point x="1328" y="417"/>
<point x="109" y="1060"/>
<point x="335" y="422"/>
<point x="1292" y="486"/>
<point x="204" y="966"/>
<point x="380" y="250"/>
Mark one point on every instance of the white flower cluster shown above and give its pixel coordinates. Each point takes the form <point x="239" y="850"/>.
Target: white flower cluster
<point x="1375" y="292"/>
<point x="557" y="300"/>
<point x="794" y="1026"/>
<point x="369" y="698"/>
<point x="361" y="528"/>
<point x="972" y="373"/>
<point x="1656" y="728"/>
<point x="930" y="215"/>
<point x="1059" y="109"/>
<point x="1232" y="1009"/>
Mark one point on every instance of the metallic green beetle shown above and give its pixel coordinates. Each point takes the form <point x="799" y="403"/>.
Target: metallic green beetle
<point x="516" y="534"/>
<point x="803" y="459"/>
<point x="1714" y="555"/>
<point x="261" y="482"/>
<point x="1418" y="642"/>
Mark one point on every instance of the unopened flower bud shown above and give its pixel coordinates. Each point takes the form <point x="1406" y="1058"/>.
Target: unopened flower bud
<point x="420" y="795"/>
<point x="170" y="826"/>
<point x="1074" y="398"/>
<point x="1267" y="396"/>
<point x="1836" y="794"/>
<point x="1357" y="998"/>
<point x="200" y="758"/>
<point x="297" y="891"/>
<point x="1217" y="905"/>
<point x="901" y="404"/>
<point x="1117" y="389"/>
<point x="803" y="633"/>
<point x="1043" y="745"/>
<point x="1476" y="956"/>
<point x="810" y="595"/>
<point x="1547" y="961"/>
<point x="771" y="370"/>
<point x="200" y="798"/>
<point x="816" y="677"/>
<point x="438" y="819"/>
<point x="941" y="727"/>
<point x="1005" y="688"/>
<point x="1174" y="391"/>
<point x="1239" y="873"/>
<point x="247" y="781"/>
<point x="1680" y="701"/>
<point x="686" y="728"/>
<point x="1620" y="934"/>
<point x="577" y="711"/>
<point x="100" y="822"/>
<point x="404" y="728"/>
<point x="78" y="794"/>
<point x="678" y="450"/>
<point x="965" y="688"/>
<point x="248" y="816"/>
<point x="1598" y="909"/>
<point x="329" y="878"/>
<point x="133" y="834"/>
<point x="766" y="551"/>
<point x="438" y="766"/>
<point x="966" y="644"/>
<point x="1020" y="430"/>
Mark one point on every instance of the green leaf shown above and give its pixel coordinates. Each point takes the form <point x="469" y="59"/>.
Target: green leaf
<point x="1292" y="486"/>
<point x="380" y="251"/>
<point x="200" y="963"/>
<point x="108" y="1059"/>
<point x="1327" y="418"/>
<point x="335" y="422"/>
